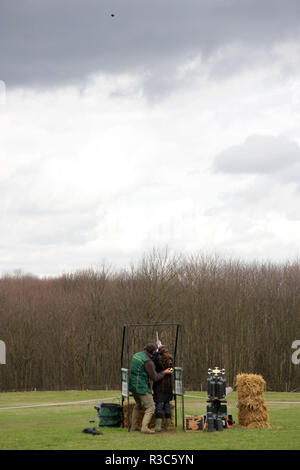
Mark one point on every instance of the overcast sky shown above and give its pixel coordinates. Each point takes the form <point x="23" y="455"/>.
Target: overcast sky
<point x="172" y="123"/>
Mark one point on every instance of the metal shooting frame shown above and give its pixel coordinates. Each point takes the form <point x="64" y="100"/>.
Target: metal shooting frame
<point x="178" y="368"/>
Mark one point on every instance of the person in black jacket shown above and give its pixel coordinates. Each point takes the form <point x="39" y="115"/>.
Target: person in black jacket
<point x="163" y="389"/>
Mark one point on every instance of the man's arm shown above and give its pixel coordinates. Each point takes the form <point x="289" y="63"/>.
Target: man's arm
<point x="153" y="375"/>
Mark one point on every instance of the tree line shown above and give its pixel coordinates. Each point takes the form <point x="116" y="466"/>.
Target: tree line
<point x="66" y="332"/>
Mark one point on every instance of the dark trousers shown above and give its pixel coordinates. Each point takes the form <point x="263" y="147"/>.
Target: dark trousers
<point x="162" y="407"/>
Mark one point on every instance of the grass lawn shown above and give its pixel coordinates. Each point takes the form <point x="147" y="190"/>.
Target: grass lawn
<point x="59" y="427"/>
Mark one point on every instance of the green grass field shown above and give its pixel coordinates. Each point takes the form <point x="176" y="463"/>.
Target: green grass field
<point x="59" y="427"/>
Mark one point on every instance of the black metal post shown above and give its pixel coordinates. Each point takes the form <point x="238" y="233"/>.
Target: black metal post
<point x="123" y="339"/>
<point x="128" y="404"/>
<point x="181" y="361"/>
<point x="122" y="353"/>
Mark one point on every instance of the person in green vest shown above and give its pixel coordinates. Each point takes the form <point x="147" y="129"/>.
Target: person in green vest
<point x="141" y="372"/>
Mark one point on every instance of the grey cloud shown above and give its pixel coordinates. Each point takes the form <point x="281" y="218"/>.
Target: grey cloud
<point x="54" y="42"/>
<point x="259" y="154"/>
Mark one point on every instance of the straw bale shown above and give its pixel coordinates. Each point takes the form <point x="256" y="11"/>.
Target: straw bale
<point x="253" y="411"/>
<point x="152" y="422"/>
<point x="250" y="385"/>
<point x="253" y="403"/>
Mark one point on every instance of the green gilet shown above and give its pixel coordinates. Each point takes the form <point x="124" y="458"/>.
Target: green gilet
<point x="139" y="379"/>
